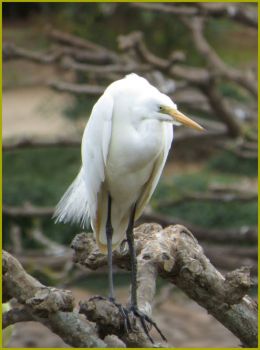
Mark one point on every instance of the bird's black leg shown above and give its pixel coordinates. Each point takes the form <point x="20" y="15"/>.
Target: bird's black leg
<point x="144" y="319"/>
<point x="131" y="245"/>
<point x="109" y="233"/>
<point x="111" y="296"/>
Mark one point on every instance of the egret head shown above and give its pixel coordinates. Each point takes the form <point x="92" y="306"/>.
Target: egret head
<point x="162" y="108"/>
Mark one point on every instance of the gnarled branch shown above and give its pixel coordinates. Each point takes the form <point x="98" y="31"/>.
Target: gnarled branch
<point x="175" y="255"/>
<point x="51" y="306"/>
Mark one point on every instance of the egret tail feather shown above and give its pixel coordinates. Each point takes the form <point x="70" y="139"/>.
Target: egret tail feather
<point x="73" y="206"/>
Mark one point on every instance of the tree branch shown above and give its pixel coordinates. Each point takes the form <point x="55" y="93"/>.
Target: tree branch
<point x="215" y="63"/>
<point x="16" y="315"/>
<point x="85" y="89"/>
<point x="50" y="306"/>
<point x="241" y="14"/>
<point x="178" y="258"/>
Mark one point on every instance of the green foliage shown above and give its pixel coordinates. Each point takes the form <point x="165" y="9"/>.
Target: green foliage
<point x="216" y="215"/>
<point x="230" y="90"/>
<point x="97" y="283"/>
<point x="81" y="108"/>
<point x="228" y="162"/>
<point x="205" y="213"/>
<point x="38" y="176"/>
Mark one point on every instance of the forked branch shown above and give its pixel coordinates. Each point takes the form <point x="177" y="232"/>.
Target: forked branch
<point x="172" y="253"/>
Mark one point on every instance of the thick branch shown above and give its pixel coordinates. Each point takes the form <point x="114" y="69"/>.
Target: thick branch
<point x="178" y="258"/>
<point x="245" y="79"/>
<point x="50" y="306"/>
<point x="16" y="315"/>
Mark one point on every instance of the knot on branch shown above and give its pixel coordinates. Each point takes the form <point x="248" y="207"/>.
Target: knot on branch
<point x="109" y="320"/>
<point x="237" y="284"/>
<point x="104" y="313"/>
<point x="48" y="300"/>
<point x="86" y="251"/>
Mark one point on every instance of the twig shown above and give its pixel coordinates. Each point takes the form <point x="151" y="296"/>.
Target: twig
<point x="27" y="211"/>
<point x="77" y="88"/>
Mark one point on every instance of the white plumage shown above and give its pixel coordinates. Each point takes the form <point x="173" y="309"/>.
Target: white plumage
<point x="124" y="149"/>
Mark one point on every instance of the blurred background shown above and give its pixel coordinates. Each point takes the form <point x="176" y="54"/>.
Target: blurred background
<point x="57" y="60"/>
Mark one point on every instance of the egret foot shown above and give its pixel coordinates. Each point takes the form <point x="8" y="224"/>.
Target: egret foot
<point x="123" y="311"/>
<point x="146" y="321"/>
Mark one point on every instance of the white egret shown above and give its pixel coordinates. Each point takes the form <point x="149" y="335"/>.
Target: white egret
<point x="124" y="149"/>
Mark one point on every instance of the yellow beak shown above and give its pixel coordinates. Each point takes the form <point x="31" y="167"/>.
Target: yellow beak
<point x="180" y="117"/>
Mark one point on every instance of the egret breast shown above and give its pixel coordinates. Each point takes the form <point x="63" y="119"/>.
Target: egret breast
<point x="131" y="159"/>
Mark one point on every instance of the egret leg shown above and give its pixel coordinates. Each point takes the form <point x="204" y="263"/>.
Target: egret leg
<point x="144" y="319"/>
<point x="109" y="234"/>
<point x="131" y="245"/>
<point x="111" y="296"/>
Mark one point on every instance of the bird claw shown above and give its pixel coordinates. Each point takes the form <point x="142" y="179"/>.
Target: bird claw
<point x="146" y="322"/>
<point x="144" y="319"/>
<point x="122" y="310"/>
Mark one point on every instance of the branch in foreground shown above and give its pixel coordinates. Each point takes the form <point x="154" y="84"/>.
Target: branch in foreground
<point x="16" y="315"/>
<point x="50" y="306"/>
<point x="175" y="255"/>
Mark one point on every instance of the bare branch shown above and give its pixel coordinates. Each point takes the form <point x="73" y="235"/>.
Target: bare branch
<point x="245" y="79"/>
<point x="77" y="88"/>
<point x="16" y="315"/>
<point x="73" y="40"/>
<point x="11" y="51"/>
<point x="241" y="14"/>
<point x="23" y="143"/>
<point x="227" y="197"/>
<point x="105" y="69"/>
<point x="178" y="258"/>
<point x="27" y="211"/>
<point x="50" y="306"/>
<point x="244" y="234"/>
<point x="222" y="109"/>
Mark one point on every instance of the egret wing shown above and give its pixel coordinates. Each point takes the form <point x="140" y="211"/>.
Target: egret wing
<point x="79" y="203"/>
<point x="95" y="147"/>
<point x="151" y="184"/>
